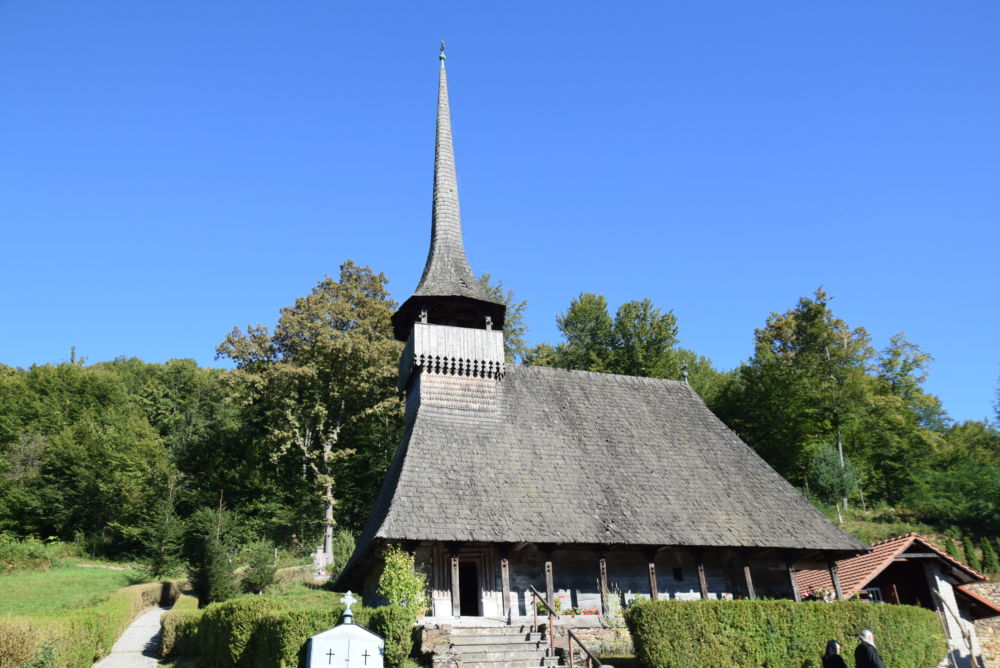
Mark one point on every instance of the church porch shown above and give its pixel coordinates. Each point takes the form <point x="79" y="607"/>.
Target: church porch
<point x="486" y="581"/>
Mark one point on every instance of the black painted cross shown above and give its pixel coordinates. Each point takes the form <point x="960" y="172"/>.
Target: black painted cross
<point x="329" y="657"/>
<point x="366" y="657"/>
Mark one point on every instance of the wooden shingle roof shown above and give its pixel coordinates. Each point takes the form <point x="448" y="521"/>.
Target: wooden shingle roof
<point x="590" y="458"/>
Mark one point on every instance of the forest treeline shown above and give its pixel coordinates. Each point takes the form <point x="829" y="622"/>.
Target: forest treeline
<point x="294" y="440"/>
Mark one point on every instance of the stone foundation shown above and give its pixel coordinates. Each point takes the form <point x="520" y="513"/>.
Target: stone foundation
<point x="988" y="629"/>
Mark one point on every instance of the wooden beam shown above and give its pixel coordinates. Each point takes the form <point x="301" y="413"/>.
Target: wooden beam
<point x="835" y="578"/>
<point x="699" y="557"/>
<point x="917" y="555"/>
<point x="654" y="590"/>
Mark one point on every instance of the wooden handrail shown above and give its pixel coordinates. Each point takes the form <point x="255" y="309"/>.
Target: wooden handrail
<point x="569" y="650"/>
<point x="534" y="611"/>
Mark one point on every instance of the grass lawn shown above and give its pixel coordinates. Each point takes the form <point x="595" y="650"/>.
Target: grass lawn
<point x="66" y="585"/>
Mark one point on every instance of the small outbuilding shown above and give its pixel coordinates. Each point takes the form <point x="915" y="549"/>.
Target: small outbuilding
<point x="910" y="570"/>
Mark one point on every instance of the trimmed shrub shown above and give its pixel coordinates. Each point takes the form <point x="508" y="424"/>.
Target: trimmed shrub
<point x="179" y="627"/>
<point x="395" y="624"/>
<point x="263" y="632"/>
<point x="778" y="633"/>
<point x="951" y="549"/>
<point x="76" y="638"/>
<point x="225" y="629"/>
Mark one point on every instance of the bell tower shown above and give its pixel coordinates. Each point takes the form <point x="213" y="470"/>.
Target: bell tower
<point x="450" y="324"/>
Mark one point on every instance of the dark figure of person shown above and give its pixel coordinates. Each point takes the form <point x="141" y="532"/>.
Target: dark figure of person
<point x="832" y="658"/>
<point x="866" y="655"/>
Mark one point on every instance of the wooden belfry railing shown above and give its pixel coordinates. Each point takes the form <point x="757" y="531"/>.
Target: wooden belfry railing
<point x="536" y="598"/>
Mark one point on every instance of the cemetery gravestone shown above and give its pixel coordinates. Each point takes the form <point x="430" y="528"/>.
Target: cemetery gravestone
<point x="346" y="645"/>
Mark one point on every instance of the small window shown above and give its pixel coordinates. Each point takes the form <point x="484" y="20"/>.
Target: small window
<point x="875" y="594"/>
<point x="678" y="574"/>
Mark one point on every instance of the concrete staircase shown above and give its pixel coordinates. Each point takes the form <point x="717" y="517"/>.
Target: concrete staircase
<point x="497" y="647"/>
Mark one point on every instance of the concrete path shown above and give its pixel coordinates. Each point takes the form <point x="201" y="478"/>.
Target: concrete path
<point x="139" y="646"/>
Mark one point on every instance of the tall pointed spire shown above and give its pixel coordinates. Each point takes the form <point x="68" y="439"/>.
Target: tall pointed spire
<point x="448" y="292"/>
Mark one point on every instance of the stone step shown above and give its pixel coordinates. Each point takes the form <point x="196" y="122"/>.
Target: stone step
<point x="546" y="663"/>
<point x="490" y="630"/>
<point x="502" y="655"/>
<point x="466" y="648"/>
<point x="498" y="640"/>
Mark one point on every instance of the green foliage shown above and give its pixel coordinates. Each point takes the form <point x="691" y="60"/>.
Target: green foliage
<point x="777" y="633"/>
<point x="971" y="556"/>
<point x="269" y="631"/>
<point x="74" y="638"/>
<point x="401" y="584"/>
<point x="343" y="548"/>
<point x="210" y="548"/>
<point x="951" y="548"/>
<point x="828" y="479"/>
<point x="225" y="629"/>
<point x="641" y="340"/>
<point x="163" y="535"/>
<point x="259" y="573"/>
<point x="514" y="327"/>
<point x="990" y="562"/>
<point x="321" y="387"/>
<point x="395" y="624"/>
<point x="27" y="554"/>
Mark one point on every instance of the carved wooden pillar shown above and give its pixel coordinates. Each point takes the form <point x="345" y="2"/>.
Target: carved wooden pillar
<point x="602" y="565"/>
<point x="835" y="577"/>
<point x="699" y="558"/>
<point x="456" y="599"/>
<point x="505" y="579"/>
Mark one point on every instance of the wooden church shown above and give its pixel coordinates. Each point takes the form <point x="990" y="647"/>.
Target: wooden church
<point x="583" y="485"/>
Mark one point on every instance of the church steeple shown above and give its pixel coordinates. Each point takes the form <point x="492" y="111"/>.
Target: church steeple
<point x="448" y="292"/>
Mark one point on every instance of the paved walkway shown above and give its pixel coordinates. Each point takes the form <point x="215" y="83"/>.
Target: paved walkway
<point x="140" y="644"/>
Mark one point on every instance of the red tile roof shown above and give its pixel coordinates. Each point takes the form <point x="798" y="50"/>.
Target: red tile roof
<point x="858" y="571"/>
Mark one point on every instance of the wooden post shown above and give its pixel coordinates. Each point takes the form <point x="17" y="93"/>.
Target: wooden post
<point x="654" y="590"/>
<point x="790" y="565"/>
<point x="505" y="582"/>
<point x="456" y="600"/>
<point x="699" y="556"/>
<point x="835" y="578"/>
<point x="602" y="565"/>
<point x="746" y="574"/>
<point x="549" y="590"/>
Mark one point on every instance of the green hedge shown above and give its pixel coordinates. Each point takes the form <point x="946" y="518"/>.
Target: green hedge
<point x="263" y="632"/>
<point x="80" y="636"/>
<point x="779" y="633"/>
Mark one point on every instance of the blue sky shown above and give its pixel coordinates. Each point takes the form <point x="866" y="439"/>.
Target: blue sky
<point x="171" y="170"/>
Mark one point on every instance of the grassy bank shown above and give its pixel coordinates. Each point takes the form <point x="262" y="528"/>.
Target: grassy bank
<point x="67" y="585"/>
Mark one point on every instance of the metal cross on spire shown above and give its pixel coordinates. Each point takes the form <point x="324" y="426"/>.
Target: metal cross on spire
<point x="441" y="55"/>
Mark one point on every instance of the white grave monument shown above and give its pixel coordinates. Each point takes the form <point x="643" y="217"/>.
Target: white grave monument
<point x="346" y="645"/>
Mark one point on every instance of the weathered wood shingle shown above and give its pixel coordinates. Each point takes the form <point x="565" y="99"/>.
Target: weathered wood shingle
<point x="631" y="461"/>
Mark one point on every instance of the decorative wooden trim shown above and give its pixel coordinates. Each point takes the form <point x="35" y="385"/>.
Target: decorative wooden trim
<point x="505" y="583"/>
<point x="549" y="589"/>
